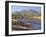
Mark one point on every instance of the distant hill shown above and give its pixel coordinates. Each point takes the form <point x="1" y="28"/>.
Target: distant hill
<point x="30" y="11"/>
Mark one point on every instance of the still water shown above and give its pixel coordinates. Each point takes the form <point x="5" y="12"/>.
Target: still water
<point x="35" y="25"/>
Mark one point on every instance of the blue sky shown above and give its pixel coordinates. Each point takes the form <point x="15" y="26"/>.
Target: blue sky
<point x="19" y="8"/>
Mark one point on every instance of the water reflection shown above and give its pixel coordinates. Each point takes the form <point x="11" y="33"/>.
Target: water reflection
<point x="24" y="24"/>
